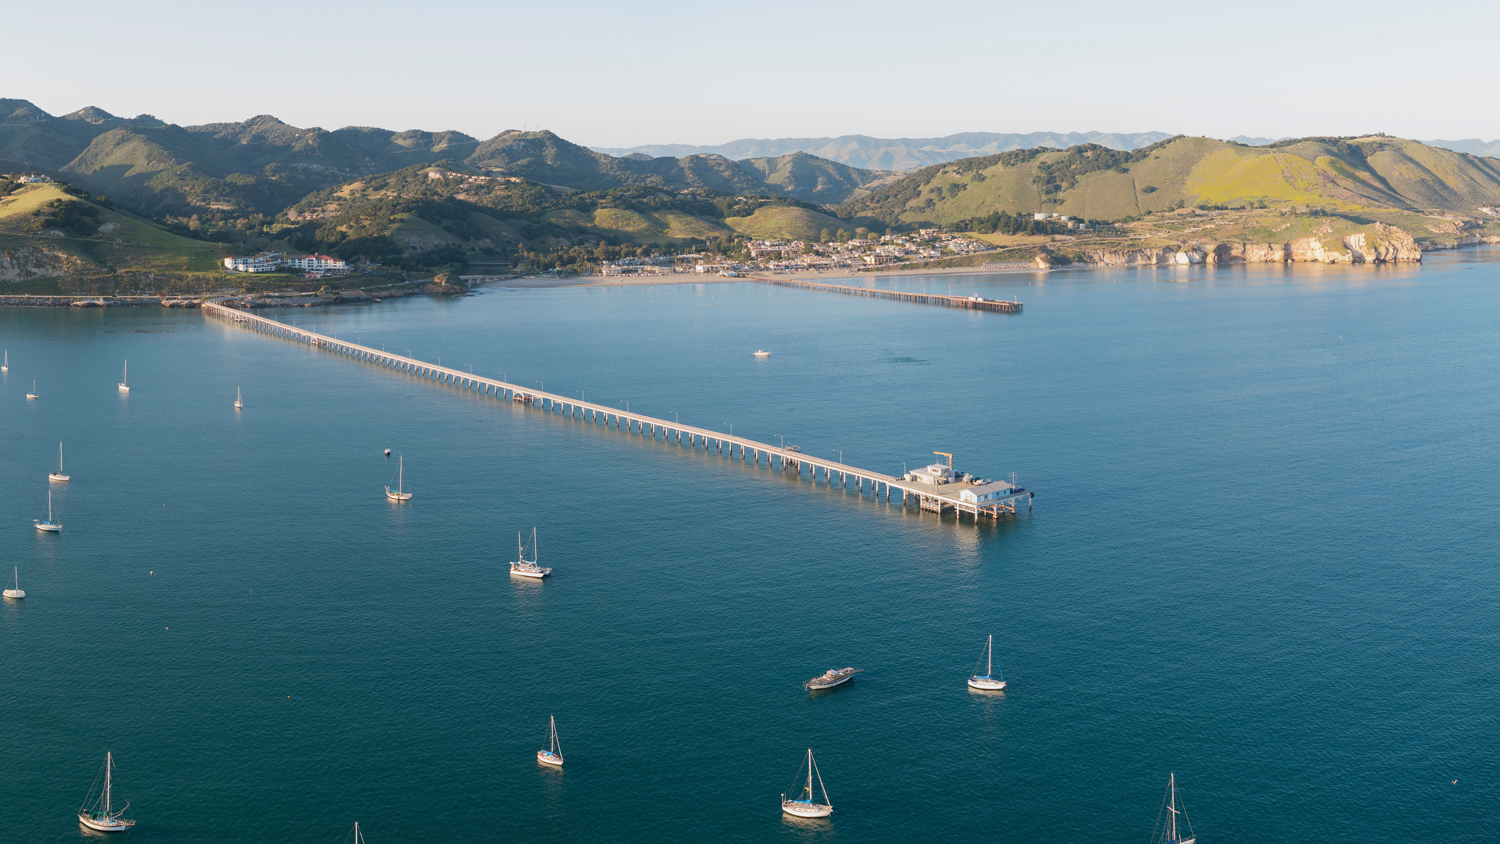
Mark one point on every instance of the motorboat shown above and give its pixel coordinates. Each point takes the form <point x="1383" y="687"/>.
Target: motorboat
<point x="830" y="678"/>
<point x="762" y="353"/>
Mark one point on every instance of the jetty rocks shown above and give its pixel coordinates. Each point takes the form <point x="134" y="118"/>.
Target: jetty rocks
<point x="96" y="302"/>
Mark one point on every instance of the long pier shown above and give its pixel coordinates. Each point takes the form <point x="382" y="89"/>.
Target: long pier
<point x="973" y="303"/>
<point x="789" y="458"/>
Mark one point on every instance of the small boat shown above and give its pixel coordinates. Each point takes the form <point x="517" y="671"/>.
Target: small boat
<point x="762" y="353"/>
<point x="239" y="402"/>
<point x="58" y="475"/>
<point x="48" y="526"/>
<point x="525" y="567"/>
<point x="357" y="839"/>
<point x="830" y="678"/>
<point x="553" y="754"/>
<point x="32" y="394"/>
<point x="125" y="379"/>
<point x="15" y="592"/>
<point x="387" y="452"/>
<point x="1166" y="831"/>
<point x="987" y="682"/>
<point x="399" y="494"/>
<point x="804" y="806"/>
<point x="5" y="367"/>
<point x="99" y="816"/>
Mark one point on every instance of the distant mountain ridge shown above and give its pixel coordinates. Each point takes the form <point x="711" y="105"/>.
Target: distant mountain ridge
<point x="902" y="154"/>
<point x="870" y="153"/>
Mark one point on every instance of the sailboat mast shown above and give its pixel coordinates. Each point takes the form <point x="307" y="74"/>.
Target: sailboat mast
<point x="1172" y="805"/>
<point x="809" y="775"/>
<point x="989" y="657"/>
<point x="109" y="763"/>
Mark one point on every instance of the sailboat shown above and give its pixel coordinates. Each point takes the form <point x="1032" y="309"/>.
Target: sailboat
<point x="99" y="816"/>
<point x="58" y="475"/>
<point x="5" y="367"/>
<point x="239" y="404"/>
<point x="804" y="806"/>
<point x="15" y="591"/>
<point x="553" y="754"/>
<point x="987" y="681"/>
<point x="125" y="379"/>
<point x="525" y="567"/>
<point x="399" y="494"/>
<point x="762" y="353"/>
<point x="48" y="526"/>
<point x="1167" y="831"/>
<point x="358" y="839"/>
<point x="32" y="394"/>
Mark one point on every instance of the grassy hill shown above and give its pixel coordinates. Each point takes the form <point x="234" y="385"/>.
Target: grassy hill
<point x="1342" y="175"/>
<point x="786" y="223"/>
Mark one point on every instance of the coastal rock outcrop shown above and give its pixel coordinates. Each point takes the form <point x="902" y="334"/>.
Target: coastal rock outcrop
<point x="28" y="262"/>
<point x="1380" y="244"/>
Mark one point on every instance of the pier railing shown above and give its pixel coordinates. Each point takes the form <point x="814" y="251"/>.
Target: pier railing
<point x="926" y="496"/>
<point x="973" y="303"/>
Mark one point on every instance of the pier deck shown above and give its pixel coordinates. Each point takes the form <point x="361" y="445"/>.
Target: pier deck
<point x="925" y="496"/>
<point x="973" y="303"/>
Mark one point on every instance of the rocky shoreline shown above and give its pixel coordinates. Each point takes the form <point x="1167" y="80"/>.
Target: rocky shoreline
<point x="252" y="302"/>
<point x="1385" y="245"/>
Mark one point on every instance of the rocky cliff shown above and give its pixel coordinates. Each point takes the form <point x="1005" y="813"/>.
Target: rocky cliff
<point x="28" y="262"/>
<point x="1381" y="244"/>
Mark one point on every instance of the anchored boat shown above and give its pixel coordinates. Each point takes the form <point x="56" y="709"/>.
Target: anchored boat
<point x="552" y="755"/>
<point x="33" y="393"/>
<point x="1167" y="831"/>
<point x="58" y="475"/>
<point x="400" y="493"/>
<point x="239" y="404"/>
<point x="804" y="806"/>
<point x="125" y="378"/>
<point x="987" y="682"/>
<point x="762" y="353"/>
<point x="99" y="816"/>
<point x="832" y="677"/>
<point x="15" y="592"/>
<point x="525" y="567"/>
<point x="48" y="526"/>
<point x="5" y="367"/>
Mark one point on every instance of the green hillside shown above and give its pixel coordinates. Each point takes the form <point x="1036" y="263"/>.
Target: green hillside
<point x="786" y="223"/>
<point x="1371" y="175"/>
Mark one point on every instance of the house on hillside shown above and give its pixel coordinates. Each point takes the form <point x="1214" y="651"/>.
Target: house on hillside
<point x="264" y="262"/>
<point x="35" y="179"/>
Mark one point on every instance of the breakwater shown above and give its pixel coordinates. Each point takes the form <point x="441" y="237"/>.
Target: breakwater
<point x="11" y="301"/>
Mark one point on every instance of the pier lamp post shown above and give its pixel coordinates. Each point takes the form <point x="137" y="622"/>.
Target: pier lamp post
<point x="841" y="454"/>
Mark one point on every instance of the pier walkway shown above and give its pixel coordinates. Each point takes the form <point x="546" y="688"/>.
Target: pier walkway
<point x="973" y="303"/>
<point x="788" y="459"/>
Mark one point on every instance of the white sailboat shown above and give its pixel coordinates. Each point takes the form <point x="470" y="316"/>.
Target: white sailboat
<point x="553" y="754"/>
<point x="100" y="816"/>
<point x="525" y="567"/>
<point x="32" y="394"/>
<point x="762" y="353"/>
<point x="5" y="367"/>
<point x="1167" y="830"/>
<point x="357" y="838"/>
<point x="58" y="475"/>
<point x="400" y="493"/>
<point x="125" y="379"/>
<point x="987" y="681"/>
<point x="805" y="806"/>
<point x="48" y="526"/>
<point x="239" y="404"/>
<point x="15" y="590"/>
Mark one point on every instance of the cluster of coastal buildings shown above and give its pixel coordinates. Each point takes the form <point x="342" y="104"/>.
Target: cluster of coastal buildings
<point x="313" y="266"/>
<point x="771" y="255"/>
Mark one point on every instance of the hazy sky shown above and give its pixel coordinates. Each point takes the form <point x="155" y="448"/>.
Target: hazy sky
<point x="623" y="74"/>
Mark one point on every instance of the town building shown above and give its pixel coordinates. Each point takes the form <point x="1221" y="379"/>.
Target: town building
<point x="264" y="262"/>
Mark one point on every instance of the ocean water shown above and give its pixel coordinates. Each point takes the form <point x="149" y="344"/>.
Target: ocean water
<point x="1263" y="556"/>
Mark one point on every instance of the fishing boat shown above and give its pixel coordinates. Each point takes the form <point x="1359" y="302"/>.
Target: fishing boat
<point x="1167" y="830"/>
<point x="553" y="754"/>
<point x="762" y="353"/>
<point x="400" y="493"/>
<point x="125" y="378"/>
<point x="239" y="402"/>
<point x="58" y="475"/>
<point x="525" y="567"/>
<point x="48" y="526"/>
<point x="830" y="678"/>
<point x="32" y="394"/>
<point x="805" y="806"/>
<point x="99" y="816"/>
<point x="15" y="590"/>
<point x="987" y="682"/>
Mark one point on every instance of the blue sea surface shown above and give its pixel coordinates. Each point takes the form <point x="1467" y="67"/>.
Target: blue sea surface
<point x="1263" y="556"/>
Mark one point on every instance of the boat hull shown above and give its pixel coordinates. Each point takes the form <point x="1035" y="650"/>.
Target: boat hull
<point x="124" y="389"/>
<point x="30" y="396"/>
<point x="48" y="527"/>
<point x="985" y="684"/>
<point x="549" y="758"/>
<point x="15" y="593"/>
<point x="110" y="825"/>
<point x="800" y="809"/>
<point x="539" y="573"/>
<point x="397" y="496"/>
<point x="59" y="477"/>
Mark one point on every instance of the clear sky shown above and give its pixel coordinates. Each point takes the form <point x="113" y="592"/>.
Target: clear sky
<point x="629" y="73"/>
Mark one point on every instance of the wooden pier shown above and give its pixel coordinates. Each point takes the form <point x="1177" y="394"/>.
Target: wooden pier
<point x="973" y="303"/>
<point x="788" y="459"/>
